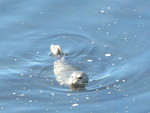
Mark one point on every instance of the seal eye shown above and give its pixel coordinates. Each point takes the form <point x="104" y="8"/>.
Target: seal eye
<point x="79" y="77"/>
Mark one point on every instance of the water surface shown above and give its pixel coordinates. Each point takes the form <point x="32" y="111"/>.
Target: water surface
<point x="109" y="40"/>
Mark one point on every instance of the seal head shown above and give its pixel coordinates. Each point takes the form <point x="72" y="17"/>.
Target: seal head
<point x="78" y="79"/>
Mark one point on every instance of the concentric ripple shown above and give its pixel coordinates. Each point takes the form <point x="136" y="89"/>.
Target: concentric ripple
<point x="108" y="75"/>
<point x="76" y="46"/>
<point x="84" y="55"/>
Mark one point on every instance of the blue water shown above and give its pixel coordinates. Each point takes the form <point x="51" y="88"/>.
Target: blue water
<point x="109" y="40"/>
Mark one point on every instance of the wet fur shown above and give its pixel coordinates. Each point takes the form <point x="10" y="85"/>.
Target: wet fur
<point x="67" y="74"/>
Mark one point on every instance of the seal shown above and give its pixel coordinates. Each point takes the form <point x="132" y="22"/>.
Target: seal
<point x="67" y="74"/>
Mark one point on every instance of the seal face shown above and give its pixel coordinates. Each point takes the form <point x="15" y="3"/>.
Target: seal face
<point x="67" y="74"/>
<point x="78" y="79"/>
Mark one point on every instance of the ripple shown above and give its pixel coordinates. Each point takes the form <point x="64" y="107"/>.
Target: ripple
<point x="105" y="78"/>
<point x="77" y="46"/>
<point x="80" y="50"/>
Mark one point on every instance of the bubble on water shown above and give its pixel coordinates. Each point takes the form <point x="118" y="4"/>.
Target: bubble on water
<point x="87" y="98"/>
<point x="99" y="58"/>
<point x="125" y="95"/>
<point x="115" y="22"/>
<point x="14" y="93"/>
<point x="22" y="95"/>
<point x="99" y="28"/>
<point x="140" y="16"/>
<point x="92" y="42"/>
<point x="119" y="90"/>
<point x="117" y="80"/>
<point x="75" y="104"/>
<point x="68" y="94"/>
<point x="108" y="7"/>
<point x="120" y="58"/>
<point x="100" y="85"/>
<point x="125" y="39"/>
<point x="37" y="52"/>
<point x="102" y="11"/>
<point x="53" y="94"/>
<point x="113" y="64"/>
<point x="107" y="33"/>
<point x="30" y="101"/>
<point x="107" y="54"/>
<point x="41" y="13"/>
<point x="89" y="60"/>
<point x="109" y="92"/>
<point x="123" y="80"/>
<point x="134" y="10"/>
<point x="124" y="33"/>
<point x="15" y="59"/>
<point x="115" y="85"/>
<point x="41" y="91"/>
<point x="22" y="74"/>
<point x="118" y="86"/>
<point x="63" y="36"/>
<point x="97" y="89"/>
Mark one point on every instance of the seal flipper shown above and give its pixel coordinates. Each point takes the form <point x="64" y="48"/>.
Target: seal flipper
<point x="55" y="50"/>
